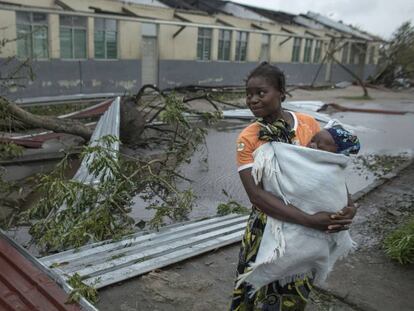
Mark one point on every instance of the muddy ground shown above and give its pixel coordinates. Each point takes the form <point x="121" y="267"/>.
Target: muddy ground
<point x="366" y="280"/>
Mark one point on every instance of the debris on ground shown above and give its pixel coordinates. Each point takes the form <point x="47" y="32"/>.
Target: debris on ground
<point x="379" y="165"/>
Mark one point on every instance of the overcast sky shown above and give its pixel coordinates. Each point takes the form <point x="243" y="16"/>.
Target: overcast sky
<point x="379" y="17"/>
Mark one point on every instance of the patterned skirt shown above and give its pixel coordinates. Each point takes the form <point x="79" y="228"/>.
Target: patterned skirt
<point x="272" y="297"/>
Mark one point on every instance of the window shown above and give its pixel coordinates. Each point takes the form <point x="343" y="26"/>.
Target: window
<point x="241" y="46"/>
<point x="345" y="53"/>
<point x="105" y="38"/>
<point x="372" y="55"/>
<point x="265" y="49"/>
<point x="318" y="51"/>
<point x="308" y="51"/>
<point x="32" y="35"/>
<point x="297" y="42"/>
<point x="224" y="44"/>
<point x="204" y="44"/>
<point x="72" y="36"/>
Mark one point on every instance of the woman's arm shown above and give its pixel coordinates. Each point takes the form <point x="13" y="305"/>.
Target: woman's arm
<point x="276" y="208"/>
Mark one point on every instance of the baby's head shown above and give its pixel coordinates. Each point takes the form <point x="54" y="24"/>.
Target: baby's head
<point x="335" y="139"/>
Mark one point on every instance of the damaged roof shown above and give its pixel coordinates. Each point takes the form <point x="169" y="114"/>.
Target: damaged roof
<point x="310" y="20"/>
<point x="277" y="16"/>
<point x="207" y="6"/>
<point x="339" y="26"/>
<point x="145" y="2"/>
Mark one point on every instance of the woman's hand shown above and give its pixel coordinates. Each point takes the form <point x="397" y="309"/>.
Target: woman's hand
<point x="330" y="223"/>
<point x="348" y="211"/>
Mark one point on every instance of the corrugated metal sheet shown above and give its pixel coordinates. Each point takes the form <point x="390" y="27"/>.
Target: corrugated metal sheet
<point x="35" y="141"/>
<point x="108" y="124"/>
<point x="23" y="286"/>
<point x="337" y="25"/>
<point x="95" y="110"/>
<point x="106" y="263"/>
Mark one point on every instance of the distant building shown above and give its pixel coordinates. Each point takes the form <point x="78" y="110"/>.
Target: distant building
<point x="102" y="46"/>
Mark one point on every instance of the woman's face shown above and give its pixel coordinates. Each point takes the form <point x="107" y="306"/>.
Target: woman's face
<point x="262" y="98"/>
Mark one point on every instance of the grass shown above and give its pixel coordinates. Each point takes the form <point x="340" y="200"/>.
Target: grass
<point x="399" y="244"/>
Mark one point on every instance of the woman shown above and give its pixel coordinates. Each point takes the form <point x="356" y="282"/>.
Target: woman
<point x="265" y="91"/>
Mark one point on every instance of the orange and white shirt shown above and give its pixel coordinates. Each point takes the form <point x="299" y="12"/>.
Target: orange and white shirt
<point x="248" y="141"/>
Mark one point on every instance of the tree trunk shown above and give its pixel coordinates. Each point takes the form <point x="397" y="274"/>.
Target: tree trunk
<point x="50" y="123"/>
<point x="131" y="127"/>
<point x="132" y="122"/>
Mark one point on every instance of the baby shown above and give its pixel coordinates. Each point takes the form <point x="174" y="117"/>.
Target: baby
<point x="335" y="139"/>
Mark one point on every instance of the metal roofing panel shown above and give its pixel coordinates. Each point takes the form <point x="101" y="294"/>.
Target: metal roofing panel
<point x="108" y="124"/>
<point x="105" y="263"/>
<point x="337" y="25"/>
<point x="243" y="12"/>
<point x="307" y="22"/>
<point x="23" y="286"/>
<point x="153" y="13"/>
<point x="276" y="16"/>
<point x="207" y="6"/>
<point x="92" y="111"/>
<point x="35" y="141"/>
<point x="146" y="2"/>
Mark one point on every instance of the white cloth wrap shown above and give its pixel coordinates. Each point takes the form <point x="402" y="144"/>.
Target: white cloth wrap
<point x="314" y="181"/>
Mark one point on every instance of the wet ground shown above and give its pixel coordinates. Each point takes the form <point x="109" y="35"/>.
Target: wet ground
<point x="364" y="281"/>
<point x="379" y="134"/>
<point x="213" y="168"/>
<point x="205" y="283"/>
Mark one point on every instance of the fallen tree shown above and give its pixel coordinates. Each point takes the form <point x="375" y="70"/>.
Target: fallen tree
<point x="15" y="113"/>
<point x="132" y="120"/>
<point x="95" y="212"/>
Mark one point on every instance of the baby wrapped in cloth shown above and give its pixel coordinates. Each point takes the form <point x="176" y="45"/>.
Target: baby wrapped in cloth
<point x="314" y="181"/>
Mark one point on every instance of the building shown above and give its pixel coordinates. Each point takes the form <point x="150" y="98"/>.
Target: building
<point x="110" y="46"/>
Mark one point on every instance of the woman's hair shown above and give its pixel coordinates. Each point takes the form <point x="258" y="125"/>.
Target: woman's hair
<point x="272" y="74"/>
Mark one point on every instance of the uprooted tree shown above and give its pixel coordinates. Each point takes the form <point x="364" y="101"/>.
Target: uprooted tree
<point x="71" y="213"/>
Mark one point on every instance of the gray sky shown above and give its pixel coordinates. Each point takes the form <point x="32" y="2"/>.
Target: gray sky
<point x="379" y="17"/>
